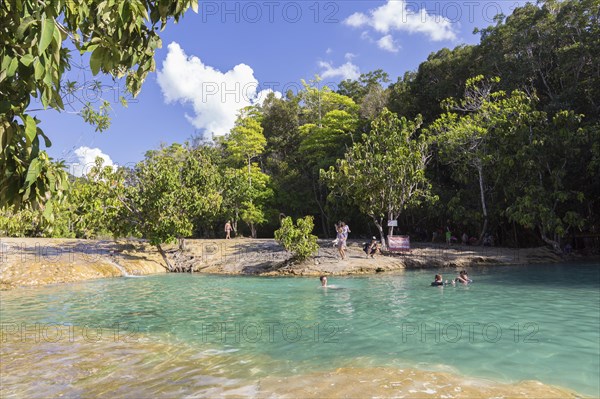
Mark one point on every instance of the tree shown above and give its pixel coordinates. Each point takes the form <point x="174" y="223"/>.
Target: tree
<point x="245" y="143"/>
<point x="297" y="239"/>
<point x="470" y="133"/>
<point x="172" y="187"/>
<point x="357" y="89"/>
<point x="242" y="201"/>
<point x="385" y="173"/>
<point x="122" y="39"/>
<point x="328" y="125"/>
<point x="545" y="201"/>
<point x="93" y="200"/>
<point x="551" y="47"/>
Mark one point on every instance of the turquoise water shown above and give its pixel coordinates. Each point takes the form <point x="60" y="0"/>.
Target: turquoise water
<point x="514" y="323"/>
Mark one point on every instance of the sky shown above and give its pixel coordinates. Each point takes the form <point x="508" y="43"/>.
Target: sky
<point x="232" y="53"/>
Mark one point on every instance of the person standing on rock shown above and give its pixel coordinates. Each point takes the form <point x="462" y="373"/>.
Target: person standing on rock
<point x="228" y="230"/>
<point x="341" y="242"/>
<point x="345" y="230"/>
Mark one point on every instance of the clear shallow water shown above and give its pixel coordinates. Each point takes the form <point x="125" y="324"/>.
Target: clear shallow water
<point x="514" y="323"/>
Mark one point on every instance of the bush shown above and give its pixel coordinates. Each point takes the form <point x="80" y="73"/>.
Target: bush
<point x="16" y="223"/>
<point x="298" y="239"/>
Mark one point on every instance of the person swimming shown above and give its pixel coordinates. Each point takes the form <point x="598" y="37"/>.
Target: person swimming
<point x="439" y="281"/>
<point x="463" y="277"/>
<point x="323" y="281"/>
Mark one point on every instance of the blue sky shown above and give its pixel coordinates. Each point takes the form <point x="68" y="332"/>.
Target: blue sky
<point x="214" y="62"/>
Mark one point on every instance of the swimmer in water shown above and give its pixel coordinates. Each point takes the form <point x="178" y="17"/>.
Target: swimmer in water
<point x="439" y="281"/>
<point x="324" y="284"/>
<point x="323" y="281"/>
<point x="463" y="277"/>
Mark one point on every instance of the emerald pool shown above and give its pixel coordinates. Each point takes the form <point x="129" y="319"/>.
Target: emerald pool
<point x="514" y="323"/>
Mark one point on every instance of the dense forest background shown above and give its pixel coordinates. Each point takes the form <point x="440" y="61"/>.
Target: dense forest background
<point x="501" y="138"/>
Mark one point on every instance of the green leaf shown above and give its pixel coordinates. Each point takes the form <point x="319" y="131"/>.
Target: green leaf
<point x="30" y="128"/>
<point x="23" y="27"/>
<point x="27" y="59"/>
<point x="38" y="71"/>
<point x="33" y="172"/>
<point x="57" y="36"/>
<point x="48" y="209"/>
<point x="96" y="60"/>
<point x="47" y="34"/>
<point x="12" y="67"/>
<point x="195" y="6"/>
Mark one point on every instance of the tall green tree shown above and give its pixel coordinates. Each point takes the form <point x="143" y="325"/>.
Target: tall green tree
<point x="359" y="88"/>
<point x="330" y="123"/>
<point x="544" y="200"/>
<point x="551" y="47"/>
<point x="246" y="141"/>
<point x="172" y="187"/>
<point x="242" y="201"/>
<point x="385" y="173"/>
<point x="464" y="140"/>
<point x="245" y="199"/>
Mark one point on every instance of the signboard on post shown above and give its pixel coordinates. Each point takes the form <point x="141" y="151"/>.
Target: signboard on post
<point x="392" y="224"/>
<point x="399" y="243"/>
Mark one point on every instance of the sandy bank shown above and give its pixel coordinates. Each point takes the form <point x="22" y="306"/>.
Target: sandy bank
<point x="39" y="261"/>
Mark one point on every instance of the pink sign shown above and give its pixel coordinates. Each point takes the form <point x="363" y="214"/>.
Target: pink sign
<point x="399" y="243"/>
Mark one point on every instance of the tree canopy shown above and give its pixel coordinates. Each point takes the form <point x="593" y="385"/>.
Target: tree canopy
<point x="37" y="41"/>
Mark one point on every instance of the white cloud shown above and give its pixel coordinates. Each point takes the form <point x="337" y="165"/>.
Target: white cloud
<point x="345" y="71"/>
<point x="216" y="97"/>
<point x="349" y="56"/>
<point x="395" y="16"/>
<point x="328" y="51"/>
<point x="86" y="159"/>
<point x="387" y="43"/>
<point x="357" y="19"/>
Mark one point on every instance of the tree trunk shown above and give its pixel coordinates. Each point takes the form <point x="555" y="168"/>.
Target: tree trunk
<point x="234" y="222"/>
<point x="250" y="171"/>
<point x="483" y="205"/>
<point x="252" y="230"/>
<point x="324" y="218"/>
<point x="182" y="244"/>
<point x="169" y="266"/>
<point x="555" y="245"/>
<point x="379" y="225"/>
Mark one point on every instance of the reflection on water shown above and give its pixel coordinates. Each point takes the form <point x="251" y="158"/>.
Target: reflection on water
<point x="390" y="335"/>
<point x="145" y="367"/>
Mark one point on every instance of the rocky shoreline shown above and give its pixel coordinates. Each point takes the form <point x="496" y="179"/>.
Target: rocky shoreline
<point x="39" y="261"/>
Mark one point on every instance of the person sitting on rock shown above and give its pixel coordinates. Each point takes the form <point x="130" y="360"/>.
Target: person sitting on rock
<point x="371" y="248"/>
